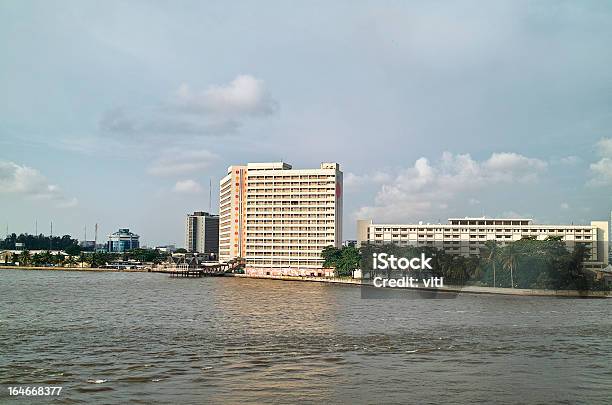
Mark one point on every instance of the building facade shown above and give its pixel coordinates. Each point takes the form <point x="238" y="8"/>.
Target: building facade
<point x="122" y="241"/>
<point x="232" y="213"/>
<point x="202" y="233"/>
<point x="465" y="236"/>
<point x="279" y="218"/>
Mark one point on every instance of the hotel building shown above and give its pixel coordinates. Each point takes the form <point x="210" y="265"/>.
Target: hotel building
<point x="279" y="218"/>
<point x="202" y="233"/>
<point x="465" y="236"/>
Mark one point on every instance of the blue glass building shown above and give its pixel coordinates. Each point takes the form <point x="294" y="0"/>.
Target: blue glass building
<point x="122" y="241"/>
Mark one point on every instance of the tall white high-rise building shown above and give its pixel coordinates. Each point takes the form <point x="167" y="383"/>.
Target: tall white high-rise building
<point x="279" y="218"/>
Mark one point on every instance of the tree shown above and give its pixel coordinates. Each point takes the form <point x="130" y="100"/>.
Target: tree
<point x="491" y="254"/>
<point x="509" y="258"/>
<point x="73" y="250"/>
<point x="349" y="260"/>
<point x="69" y="261"/>
<point x="24" y="258"/>
<point x="331" y="256"/>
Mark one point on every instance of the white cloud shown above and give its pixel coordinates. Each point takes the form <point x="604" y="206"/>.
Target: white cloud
<point x="601" y="170"/>
<point x="569" y="160"/>
<point x="245" y="95"/>
<point x="188" y="186"/>
<point x="604" y="147"/>
<point x="29" y="182"/>
<point x="176" y="161"/>
<point x="424" y="188"/>
<point x="565" y="206"/>
<point x="353" y="181"/>
<point x="513" y="167"/>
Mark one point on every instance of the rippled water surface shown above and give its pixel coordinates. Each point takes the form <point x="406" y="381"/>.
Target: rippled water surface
<point x="146" y="338"/>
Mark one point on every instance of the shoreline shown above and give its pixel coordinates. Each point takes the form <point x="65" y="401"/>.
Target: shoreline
<point x="523" y="292"/>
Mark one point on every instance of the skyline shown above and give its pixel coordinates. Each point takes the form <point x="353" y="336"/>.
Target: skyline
<point x="432" y="110"/>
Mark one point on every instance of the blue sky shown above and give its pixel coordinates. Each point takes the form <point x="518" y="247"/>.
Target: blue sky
<point x="121" y="112"/>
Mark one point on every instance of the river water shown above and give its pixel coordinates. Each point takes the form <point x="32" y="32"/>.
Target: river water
<point x="147" y="338"/>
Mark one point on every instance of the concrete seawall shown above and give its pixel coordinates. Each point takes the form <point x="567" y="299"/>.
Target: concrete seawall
<point x="453" y="289"/>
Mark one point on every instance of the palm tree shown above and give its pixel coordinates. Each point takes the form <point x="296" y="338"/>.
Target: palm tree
<point x="491" y="253"/>
<point x="24" y="258"/>
<point x="509" y="260"/>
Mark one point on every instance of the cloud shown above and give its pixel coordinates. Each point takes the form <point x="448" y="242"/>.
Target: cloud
<point x="176" y="161"/>
<point x="424" y="188"/>
<point x="116" y="120"/>
<point x="353" y="181"/>
<point x="565" y="206"/>
<point x="569" y="160"/>
<point x="217" y="110"/>
<point x="29" y="182"/>
<point x="605" y="147"/>
<point x="245" y="95"/>
<point x="601" y="171"/>
<point x="162" y="122"/>
<point x="188" y="186"/>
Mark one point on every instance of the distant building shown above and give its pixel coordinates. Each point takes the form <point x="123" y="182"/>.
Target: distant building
<point x="87" y="244"/>
<point x="166" y="248"/>
<point x="122" y="240"/>
<point x="202" y="233"/>
<point x="349" y="243"/>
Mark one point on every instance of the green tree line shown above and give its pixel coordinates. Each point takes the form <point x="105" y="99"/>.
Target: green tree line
<point x="526" y="263"/>
<point x="90" y="259"/>
<point x="41" y="242"/>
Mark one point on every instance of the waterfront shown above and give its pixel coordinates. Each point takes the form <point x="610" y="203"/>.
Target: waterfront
<point x="148" y="338"/>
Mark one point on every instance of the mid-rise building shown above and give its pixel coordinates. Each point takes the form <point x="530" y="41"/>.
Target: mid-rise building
<point x="202" y="233"/>
<point x="122" y="241"/>
<point x="279" y="218"/>
<point x="465" y="236"/>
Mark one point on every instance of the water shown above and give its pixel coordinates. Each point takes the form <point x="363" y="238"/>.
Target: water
<point x="146" y="338"/>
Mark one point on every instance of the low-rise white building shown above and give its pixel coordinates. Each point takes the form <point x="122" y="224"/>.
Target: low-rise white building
<point x="465" y="236"/>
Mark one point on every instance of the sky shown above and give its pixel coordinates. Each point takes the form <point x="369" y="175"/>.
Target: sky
<point x="121" y="113"/>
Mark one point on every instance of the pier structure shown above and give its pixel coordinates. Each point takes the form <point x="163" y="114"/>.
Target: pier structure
<point x="193" y="266"/>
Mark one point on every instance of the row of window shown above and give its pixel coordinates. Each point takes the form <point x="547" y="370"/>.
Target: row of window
<point x="281" y="177"/>
<point x="377" y="229"/>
